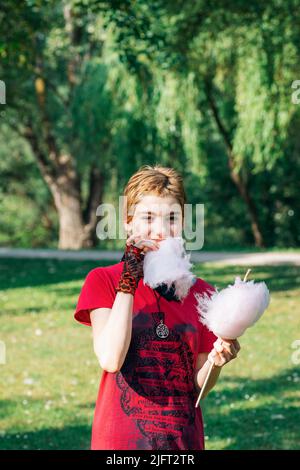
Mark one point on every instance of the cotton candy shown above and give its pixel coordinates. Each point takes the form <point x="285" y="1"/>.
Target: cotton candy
<point x="231" y="311"/>
<point x="169" y="264"/>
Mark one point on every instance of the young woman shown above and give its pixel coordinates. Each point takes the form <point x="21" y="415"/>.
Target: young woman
<point x="152" y="349"/>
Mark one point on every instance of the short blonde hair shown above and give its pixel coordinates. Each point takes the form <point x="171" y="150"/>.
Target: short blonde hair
<point x="157" y="180"/>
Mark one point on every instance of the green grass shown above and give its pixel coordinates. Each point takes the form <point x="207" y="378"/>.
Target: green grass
<point x="50" y="380"/>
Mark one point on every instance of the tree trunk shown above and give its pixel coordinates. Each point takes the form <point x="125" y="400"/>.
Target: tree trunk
<point x="74" y="233"/>
<point x="243" y="190"/>
<point x="77" y="228"/>
<point x="70" y="220"/>
<point x="96" y="186"/>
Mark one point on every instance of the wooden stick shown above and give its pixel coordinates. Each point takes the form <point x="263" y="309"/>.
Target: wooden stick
<point x="246" y="275"/>
<point x="204" y="385"/>
<point x="212" y="364"/>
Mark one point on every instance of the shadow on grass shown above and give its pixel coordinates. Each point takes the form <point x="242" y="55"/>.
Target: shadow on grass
<point x="231" y="414"/>
<point x="40" y="272"/>
<point x="277" y="278"/>
<point x="67" y="438"/>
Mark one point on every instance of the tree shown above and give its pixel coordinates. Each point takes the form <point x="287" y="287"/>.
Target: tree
<point x="59" y="102"/>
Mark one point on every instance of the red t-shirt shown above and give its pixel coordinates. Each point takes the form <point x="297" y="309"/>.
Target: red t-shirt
<point x="150" y="402"/>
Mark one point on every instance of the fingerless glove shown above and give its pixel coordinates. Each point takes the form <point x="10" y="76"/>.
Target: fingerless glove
<point x="132" y="270"/>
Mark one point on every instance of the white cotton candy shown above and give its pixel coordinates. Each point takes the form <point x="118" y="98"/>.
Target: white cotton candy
<point x="231" y="311"/>
<point x="170" y="263"/>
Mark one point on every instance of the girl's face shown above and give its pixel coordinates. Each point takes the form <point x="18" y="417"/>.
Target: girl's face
<point x="156" y="218"/>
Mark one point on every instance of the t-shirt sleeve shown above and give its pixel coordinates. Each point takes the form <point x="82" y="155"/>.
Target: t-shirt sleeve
<point x="207" y="337"/>
<point x="97" y="291"/>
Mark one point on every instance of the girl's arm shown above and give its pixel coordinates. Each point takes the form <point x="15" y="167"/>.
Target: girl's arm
<point x="111" y="344"/>
<point x="202" y="373"/>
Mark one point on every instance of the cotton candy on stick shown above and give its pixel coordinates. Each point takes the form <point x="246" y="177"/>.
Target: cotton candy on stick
<point x="170" y="264"/>
<point x="231" y="311"/>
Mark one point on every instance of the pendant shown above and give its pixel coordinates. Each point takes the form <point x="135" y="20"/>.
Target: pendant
<point x="162" y="330"/>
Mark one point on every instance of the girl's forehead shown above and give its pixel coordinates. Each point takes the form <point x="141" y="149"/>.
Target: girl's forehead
<point x="157" y="204"/>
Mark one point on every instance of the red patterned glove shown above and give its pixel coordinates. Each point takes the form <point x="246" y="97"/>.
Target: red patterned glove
<point x="132" y="269"/>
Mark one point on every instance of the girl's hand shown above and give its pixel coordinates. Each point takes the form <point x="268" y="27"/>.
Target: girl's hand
<point x="142" y="243"/>
<point x="224" y="351"/>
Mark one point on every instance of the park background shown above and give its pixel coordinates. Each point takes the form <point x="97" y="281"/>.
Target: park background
<point x="95" y="89"/>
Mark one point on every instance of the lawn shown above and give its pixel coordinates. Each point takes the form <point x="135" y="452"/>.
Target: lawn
<point x="50" y="380"/>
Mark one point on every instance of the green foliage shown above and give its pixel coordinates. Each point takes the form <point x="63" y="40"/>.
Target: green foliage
<point x="127" y="84"/>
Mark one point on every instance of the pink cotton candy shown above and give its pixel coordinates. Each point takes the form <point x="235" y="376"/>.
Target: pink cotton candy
<point x="231" y="311"/>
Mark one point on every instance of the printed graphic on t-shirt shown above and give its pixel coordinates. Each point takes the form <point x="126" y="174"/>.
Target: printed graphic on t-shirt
<point x="157" y="384"/>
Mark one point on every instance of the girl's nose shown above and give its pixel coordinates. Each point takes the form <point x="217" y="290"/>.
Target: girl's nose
<point x="159" y="235"/>
<point x="160" y="230"/>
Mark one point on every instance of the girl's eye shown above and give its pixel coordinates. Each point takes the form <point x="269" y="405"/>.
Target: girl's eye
<point x="172" y="218"/>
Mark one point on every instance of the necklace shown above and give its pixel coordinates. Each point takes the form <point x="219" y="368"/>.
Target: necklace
<point x="162" y="331"/>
